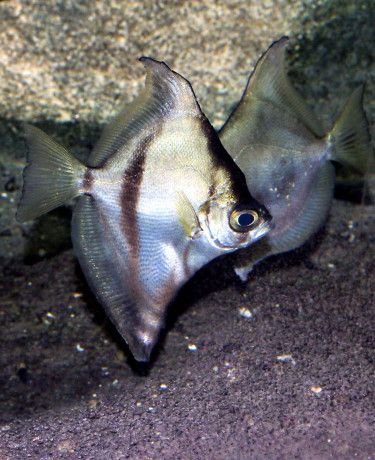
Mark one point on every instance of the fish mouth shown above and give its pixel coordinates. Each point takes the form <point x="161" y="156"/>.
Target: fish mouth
<point x="256" y="234"/>
<point x="262" y="230"/>
<point x="219" y="245"/>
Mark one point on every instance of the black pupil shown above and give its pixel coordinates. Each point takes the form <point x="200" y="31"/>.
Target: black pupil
<point x="245" y="219"/>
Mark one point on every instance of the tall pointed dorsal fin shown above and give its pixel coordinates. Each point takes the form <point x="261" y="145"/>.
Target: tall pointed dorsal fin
<point x="169" y="89"/>
<point x="269" y="82"/>
<point x="166" y="92"/>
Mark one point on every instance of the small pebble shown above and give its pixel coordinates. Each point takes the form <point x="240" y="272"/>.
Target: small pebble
<point x="245" y="313"/>
<point x="316" y="390"/>
<point x="287" y="358"/>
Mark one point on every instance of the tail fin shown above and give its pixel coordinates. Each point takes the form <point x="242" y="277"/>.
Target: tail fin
<point x="51" y="177"/>
<point x="350" y="137"/>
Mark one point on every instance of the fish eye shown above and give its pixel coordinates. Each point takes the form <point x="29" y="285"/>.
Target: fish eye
<point x="242" y="221"/>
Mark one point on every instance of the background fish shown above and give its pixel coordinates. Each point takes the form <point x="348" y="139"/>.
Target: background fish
<point x="280" y="146"/>
<point x="160" y="197"/>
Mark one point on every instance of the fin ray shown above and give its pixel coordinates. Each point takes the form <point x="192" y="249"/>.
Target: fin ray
<point x="270" y="84"/>
<point x="187" y="215"/>
<point x="108" y="272"/>
<point x="164" y="89"/>
<point x="51" y="177"/>
<point x="350" y="137"/>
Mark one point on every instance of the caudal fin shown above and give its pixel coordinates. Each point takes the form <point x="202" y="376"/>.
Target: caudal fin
<point x="51" y="177"/>
<point x="350" y="137"/>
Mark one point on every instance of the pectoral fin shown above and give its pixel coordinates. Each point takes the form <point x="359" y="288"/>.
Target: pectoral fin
<point x="187" y="216"/>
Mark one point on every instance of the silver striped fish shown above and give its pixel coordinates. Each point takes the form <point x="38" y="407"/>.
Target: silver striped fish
<point x="278" y="143"/>
<point x="159" y="198"/>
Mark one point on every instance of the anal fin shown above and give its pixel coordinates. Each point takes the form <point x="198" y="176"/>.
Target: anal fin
<point x="107" y="270"/>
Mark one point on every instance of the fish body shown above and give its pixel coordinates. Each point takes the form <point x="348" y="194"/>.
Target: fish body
<point x="278" y="143"/>
<point x="159" y="198"/>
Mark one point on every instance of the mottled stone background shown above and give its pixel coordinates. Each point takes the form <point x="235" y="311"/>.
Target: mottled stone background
<point x="69" y="59"/>
<point x="68" y="388"/>
<point x="75" y="60"/>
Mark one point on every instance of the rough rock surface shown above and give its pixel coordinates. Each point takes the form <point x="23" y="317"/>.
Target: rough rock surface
<point x="281" y="367"/>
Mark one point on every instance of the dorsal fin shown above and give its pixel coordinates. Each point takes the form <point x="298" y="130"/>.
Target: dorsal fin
<point x="165" y="92"/>
<point x="269" y="82"/>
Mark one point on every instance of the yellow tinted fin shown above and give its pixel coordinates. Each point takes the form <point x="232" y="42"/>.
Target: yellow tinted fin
<point x="51" y="177"/>
<point x="187" y="215"/>
<point x="350" y="137"/>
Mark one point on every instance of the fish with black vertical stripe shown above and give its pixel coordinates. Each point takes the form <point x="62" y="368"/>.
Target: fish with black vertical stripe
<point x="158" y="199"/>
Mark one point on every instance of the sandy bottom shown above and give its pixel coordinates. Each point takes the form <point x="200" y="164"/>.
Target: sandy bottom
<point x="280" y="367"/>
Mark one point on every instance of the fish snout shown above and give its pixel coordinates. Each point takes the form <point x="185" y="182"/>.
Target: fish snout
<point x="265" y="225"/>
<point x="262" y="230"/>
